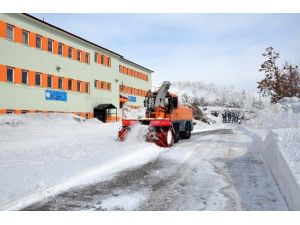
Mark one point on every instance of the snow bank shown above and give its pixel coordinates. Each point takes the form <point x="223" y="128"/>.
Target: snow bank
<point x="42" y="155"/>
<point x="279" y="128"/>
<point x="281" y="152"/>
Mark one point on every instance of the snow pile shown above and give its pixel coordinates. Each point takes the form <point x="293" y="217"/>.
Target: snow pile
<point x="281" y="151"/>
<point x="213" y="95"/>
<point x="279" y="127"/>
<point x="42" y="155"/>
<point x="129" y="113"/>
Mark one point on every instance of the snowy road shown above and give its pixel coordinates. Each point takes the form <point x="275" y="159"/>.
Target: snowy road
<point x="220" y="169"/>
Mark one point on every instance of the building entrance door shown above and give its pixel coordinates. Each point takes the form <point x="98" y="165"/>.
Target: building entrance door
<point x="100" y="114"/>
<point x="103" y="113"/>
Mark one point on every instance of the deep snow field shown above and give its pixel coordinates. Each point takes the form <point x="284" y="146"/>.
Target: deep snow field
<point x="42" y="155"/>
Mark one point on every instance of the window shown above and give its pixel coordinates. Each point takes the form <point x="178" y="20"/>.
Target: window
<point x="38" y="41"/>
<point x="87" y="87"/>
<point x="49" y="81"/>
<point x="102" y="59"/>
<point x="108" y="61"/>
<point x="37" y="79"/>
<point x="24" y="77"/>
<point x="70" y="52"/>
<point x="95" y="83"/>
<point x="10" y="74"/>
<point x="50" y="45"/>
<point x="60" y="48"/>
<point x="25" y="37"/>
<point x="78" y="85"/>
<point x="78" y="55"/>
<point x="96" y="57"/>
<point x="60" y="83"/>
<point x="87" y="58"/>
<point x="70" y="82"/>
<point x="102" y="84"/>
<point x="10" y="32"/>
<point x="109" y="86"/>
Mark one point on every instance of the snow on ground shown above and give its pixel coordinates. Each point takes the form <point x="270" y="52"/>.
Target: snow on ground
<point x="42" y="155"/>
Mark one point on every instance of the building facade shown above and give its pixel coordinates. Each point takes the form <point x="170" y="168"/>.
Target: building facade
<point x="46" y="69"/>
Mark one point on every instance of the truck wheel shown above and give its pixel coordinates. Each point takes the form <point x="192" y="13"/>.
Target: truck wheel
<point x="188" y="131"/>
<point x="176" y="132"/>
<point x="186" y="134"/>
<point x="165" y="137"/>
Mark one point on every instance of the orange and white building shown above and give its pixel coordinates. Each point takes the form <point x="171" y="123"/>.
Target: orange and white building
<point x="44" y="68"/>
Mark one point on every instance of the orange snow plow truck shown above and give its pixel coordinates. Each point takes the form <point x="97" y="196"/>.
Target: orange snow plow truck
<point x="167" y="120"/>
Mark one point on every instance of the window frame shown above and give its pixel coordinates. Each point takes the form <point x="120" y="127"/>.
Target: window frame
<point x="62" y="83"/>
<point x="87" y="88"/>
<point x="50" y="41"/>
<point x="78" y="88"/>
<point x="95" y="83"/>
<point x="12" y="33"/>
<point x="51" y="79"/>
<point x="102" y="85"/>
<point x="23" y="41"/>
<point x="70" y="52"/>
<point x="35" y="76"/>
<point x="109" y="86"/>
<point x="24" y="72"/>
<point x="78" y="55"/>
<point x="87" y="58"/>
<point x="41" y="39"/>
<point x="62" y="49"/>
<point x="70" y="81"/>
<point x="96" y="57"/>
<point x="13" y="74"/>
<point x="102" y="59"/>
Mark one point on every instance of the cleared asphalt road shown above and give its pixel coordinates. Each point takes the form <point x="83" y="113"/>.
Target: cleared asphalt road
<point x="215" y="170"/>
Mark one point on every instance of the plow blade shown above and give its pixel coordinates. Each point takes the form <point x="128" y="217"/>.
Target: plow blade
<point x="160" y="131"/>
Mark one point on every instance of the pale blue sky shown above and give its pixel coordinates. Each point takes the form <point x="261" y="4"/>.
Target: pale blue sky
<point x="224" y="49"/>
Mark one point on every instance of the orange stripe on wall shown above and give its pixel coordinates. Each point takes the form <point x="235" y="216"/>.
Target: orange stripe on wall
<point x="55" y="47"/>
<point x="44" y="80"/>
<point x="74" y="54"/>
<point x="82" y="56"/>
<point x="74" y="85"/>
<point x="83" y="87"/>
<point x="65" y="82"/>
<point x="99" y="59"/>
<point x="2" y="73"/>
<point x="18" y="111"/>
<point x="45" y="44"/>
<point x="66" y="47"/>
<point x="18" y="35"/>
<point x="32" y="37"/>
<point x="31" y="78"/>
<point x="3" y="29"/>
<point x="2" y="111"/>
<point x="18" y="75"/>
<point x="55" y="82"/>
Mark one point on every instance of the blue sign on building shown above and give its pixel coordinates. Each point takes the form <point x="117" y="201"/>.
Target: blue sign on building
<point x="56" y="95"/>
<point x="132" y="98"/>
